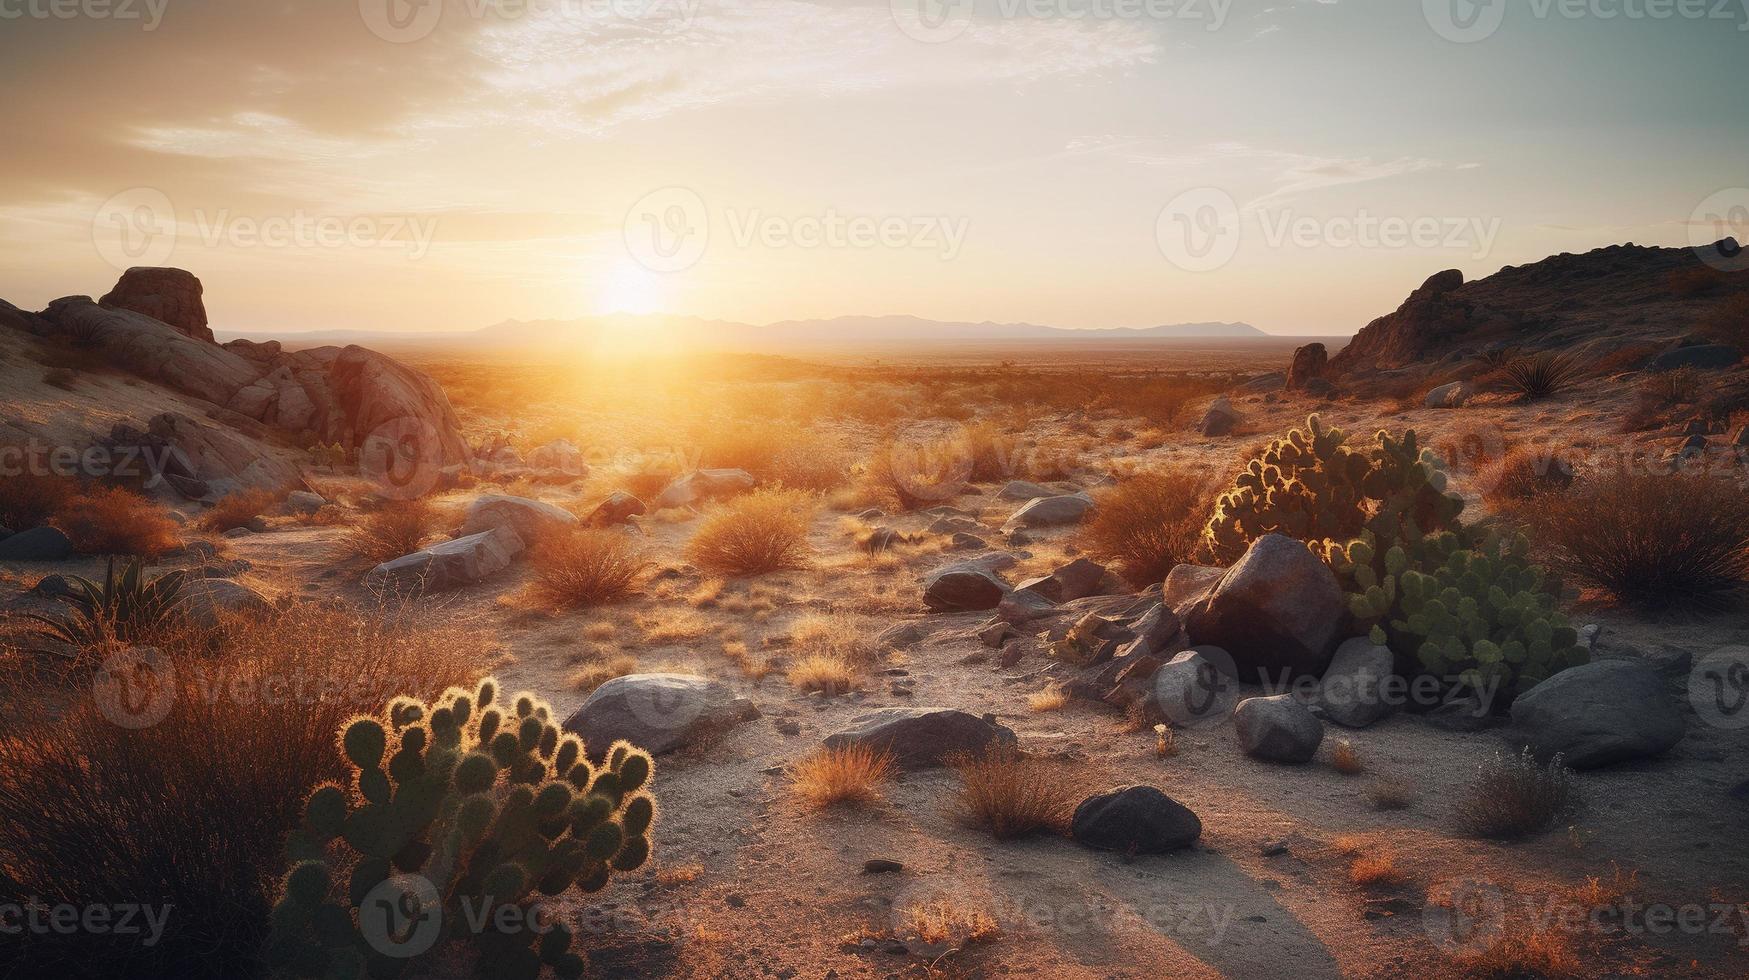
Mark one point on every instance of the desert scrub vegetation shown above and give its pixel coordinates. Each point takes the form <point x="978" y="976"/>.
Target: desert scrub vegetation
<point x="1147" y="523"/>
<point x="916" y="475"/>
<point x="850" y="775"/>
<point x="586" y="567"/>
<point x="238" y="509"/>
<point x="1524" y="473"/>
<point x="486" y="803"/>
<point x="1545" y="374"/>
<point x="1515" y="796"/>
<point x="393" y="529"/>
<point x="594" y="673"/>
<point x="127" y="606"/>
<point x="1009" y="794"/>
<point x="117" y="521"/>
<point x="28" y="500"/>
<point x="192" y="811"/>
<point x="759" y="532"/>
<point x="1728" y="322"/>
<point x="1657" y="542"/>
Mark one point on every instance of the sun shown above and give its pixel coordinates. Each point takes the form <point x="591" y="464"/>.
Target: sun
<point x="627" y="287"/>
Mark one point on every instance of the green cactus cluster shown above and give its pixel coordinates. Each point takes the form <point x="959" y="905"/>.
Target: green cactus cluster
<point x="1313" y="486"/>
<point x="491" y="804"/>
<point x="1477" y="610"/>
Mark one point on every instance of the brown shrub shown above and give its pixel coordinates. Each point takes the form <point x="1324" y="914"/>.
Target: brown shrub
<point x="1527" y="952"/>
<point x="1148" y="523"/>
<point x="29" y="499"/>
<point x="1514" y="796"/>
<point x="587" y="678"/>
<point x="586" y="567"/>
<point x="1013" y="795"/>
<point x="192" y="812"/>
<point x="823" y="672"/>
<point x="1524" y="473"/>
<point x="1652" y="541"/>
<point x="394" y="529"/>
<point x="238" y="509"/>
<point x="116" y="521"/>
<point x="763" y="531"/>
<point x="1345" y="759"/>
<point x="850" y="775"/>
<point x="1378" y="868"/>
<point x="915" y="475"/>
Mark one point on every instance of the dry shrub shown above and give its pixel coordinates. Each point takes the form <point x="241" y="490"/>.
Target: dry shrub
<point x="1625" y="357"/>
<point x="815" y="467"/>
<point x="763" y="531"/>
<point x="1011" y="795"/>
<point x="1524" y="473"/>
<point x="586" y="567"/>
<point x="1677" y="386"/>
<point x="943" y="922"/>
<point x="238" y="509"/>
<point x="1597" y="892"/>
<point x="1514" y="796"/>
<point x="835" y="635"/>
<point x="994" y="453"/>
<point x="1148" y="523"/>
<point x="1728" y="322"/>
<point x="1391" y="793"/>
<point x="915" y="475"/>
<point x="1345" y="759"/>
<point x="1377" y="868"/>
<point x="850" y="774"/>
<point x="28" y="500"/>
<point x="117" y="521"/>
<point x="743" y="446"/>
<point x="1529" y="952"/>
<point x="648" y="479"/>
<point x="192" y="812"/>
<point x="1657" y="542"/>
<point x="1052" y="698"/>
<point x="587" y="678"/>
<point x="823" y="672"/>
<point x="396" y="528"/>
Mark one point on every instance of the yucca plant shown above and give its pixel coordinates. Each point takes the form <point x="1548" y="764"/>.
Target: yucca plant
<point x="120" y="609"/>
<point x="1541" y="375"/>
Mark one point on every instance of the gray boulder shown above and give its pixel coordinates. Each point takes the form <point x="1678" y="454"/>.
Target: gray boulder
<point x="1352" y="690"/>
<point x="1134" y="820"/>
<point x="702" y="485"/>
<point x="1278" y="728"/>
<point x="1598" y="714"/>
<point x="1023" y="490"/>
<point x="962" y="590"/>
<point x="920" y="738"/>
<point x="619" y="508"/>
<point x="1449" y="395"/>
<point x="37" y="544"/>
<point x="1076" y="580"/>
<point x="657" y="712"/>
<point x="1069" y="508"/>
<point x="532" y="520"/>
<point x="1195" y="687"/>
<point x="206" y="602"/>
<point x="1278" y="609"/>
<point x="303" y="502"/>
<point x="1220" y="419"/>
<point x="451" y="564"/>
<point x="1188" y="583"/>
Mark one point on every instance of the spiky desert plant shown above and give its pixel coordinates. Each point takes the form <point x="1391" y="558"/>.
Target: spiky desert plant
<point x="483" y="806"/>
<point x="1541" y="375"/>
<point x="120" y="609"/>
<point x="1514" y="796"/>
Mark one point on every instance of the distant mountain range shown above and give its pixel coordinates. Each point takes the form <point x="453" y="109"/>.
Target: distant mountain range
<point x="693" y="333"/>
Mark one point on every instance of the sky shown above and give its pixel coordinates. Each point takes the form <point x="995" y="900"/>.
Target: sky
<point x="448" y="164"/>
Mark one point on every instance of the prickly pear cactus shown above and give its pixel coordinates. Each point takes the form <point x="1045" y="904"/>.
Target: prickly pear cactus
<point x="1311" y="485"/>
<point x="461" y="814"/>
<point x="1484" y="614"/>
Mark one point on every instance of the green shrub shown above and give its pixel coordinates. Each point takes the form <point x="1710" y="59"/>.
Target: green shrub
<point x="483" y="807"/>
<point x="123" y="609"/>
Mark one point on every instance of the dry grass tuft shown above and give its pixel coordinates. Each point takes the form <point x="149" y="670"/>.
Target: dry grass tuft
<point x="1052" y="698"/>
<point x="587" y="567"/>
<point x="1657" y="542"/>
<point x="117" y="521"/>
<point x="587" y="678"/>
<point x="1531" y="952"/>
<point x="1377" y="868"/>
<point x="763" y="531"/>
<point x="851" y="775"/>
<point x="239" y="509"/>
<point x="1011" y="795"/>
<point x="1344" y="758"/>
<point x="1597" y="892"/>
<point x="1524" y="473"/>
<point x="1148" y="523"/>
<point x="394" y="529"/>
<point x="1515" y="796"/>
<point x="824" y="672"/>
<point x="1391" y="793"/>
<point x="942" y="922"/>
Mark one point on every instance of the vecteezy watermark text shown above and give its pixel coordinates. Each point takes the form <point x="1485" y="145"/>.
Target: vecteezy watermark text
<point x="150" y="13"/>
<point x="1469" y="21"/>
<point x="40" y="918"/>
<point x="36" y="458"/>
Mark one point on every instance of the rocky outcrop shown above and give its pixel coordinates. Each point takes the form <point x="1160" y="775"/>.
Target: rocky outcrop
<point x="170" y="296"/>
<point x="1308" y="364"/>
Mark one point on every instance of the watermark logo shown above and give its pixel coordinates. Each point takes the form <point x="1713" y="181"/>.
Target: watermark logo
<point x="932" y="21"/>
<point x="1199" y="230"/>
<point x="1200" y="691"/>
<point x="401" y="21"/>
<point x="135" y="688"/>
<point x="150" y="13"/>
<point x="667" y="229"/>
<point x="664" y="706"/>
<point x="136" y="227"/>
<point x="1718" y="687"/>
<point x="39" y="918"/>
<point x="403" y="457"/>
<point x="1464" y="21"/>
<point x="1469" y="920"/>
<point x="1722" y="216"/>
<point x="401" y="917"/>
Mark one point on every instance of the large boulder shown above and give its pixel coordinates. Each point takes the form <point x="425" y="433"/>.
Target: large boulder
<point x="150" y="349"/>
<point x="450" y="565"/>
<point x="1278" y="609"/>
<point x="919" y="738"/>
<point x="1134" y="820"/>
<point x="207" y="602"/>
<point x="1069" y="508"/>
<point x="1352" y="692"/>
<point x="379" y="398"/>
<point x="532" y="520"/>
<point x="1076" y="580"/>
<point x="657" y="712"/>
<point x="701" y="485"/>
<point x="170" y="296"/>
<point x="1452" y="395"/>
<point x="1599" y="713"/>
<point x="958" y="589"/>
<point x="1308" y="363"/>
<point x="1220" y="419"/>
<point x="202" y="460"/>
<point x="1195" y="687"/>
<point x="37" y="544"/>
<point x="619" y="508"/>
<point x="1279" y="729"/>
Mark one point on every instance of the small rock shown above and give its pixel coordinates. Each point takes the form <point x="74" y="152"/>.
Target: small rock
<point x="920" y="738"/>
<point x="962" y="590"/>
<point x="1278" y="728"/>
<point x="881" y="866"/>
<point x="1056" y="511"/>
<point x="993" y="633"/>
<point x="657" y="712"/>
<point x="1273" y="848"/>
<point x="1134" y="820"/>
<point x="1023" y="490"/>
<point x="303" y="502"/>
